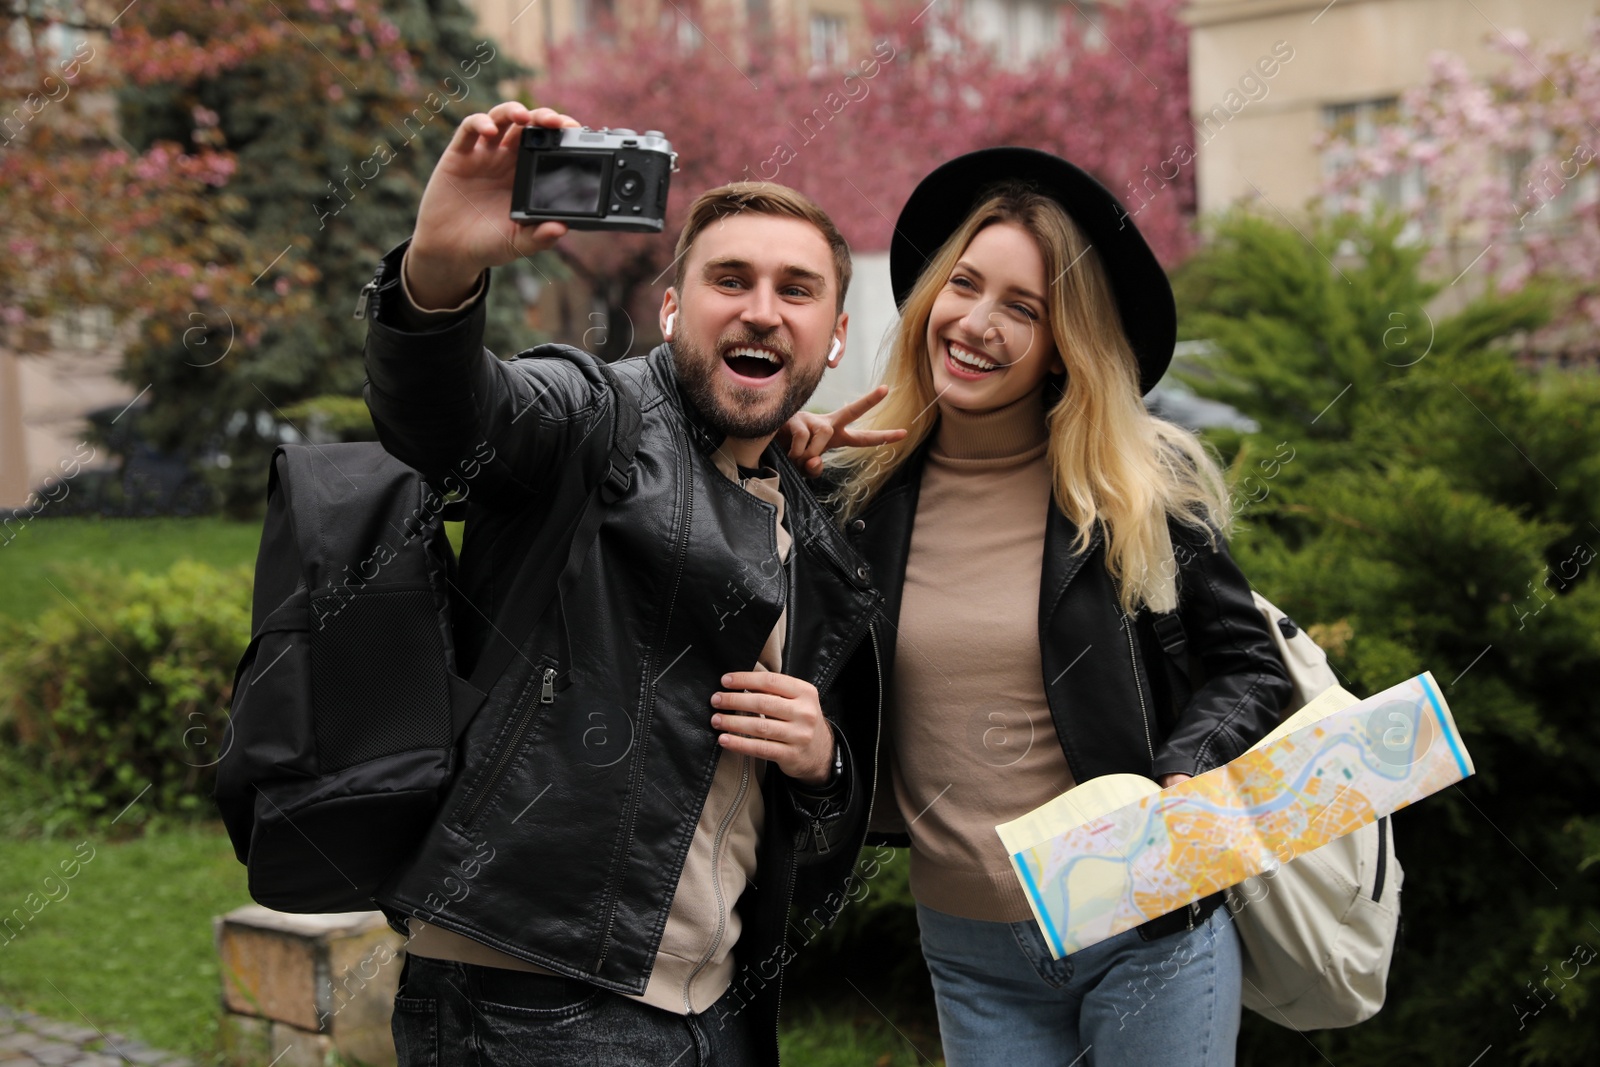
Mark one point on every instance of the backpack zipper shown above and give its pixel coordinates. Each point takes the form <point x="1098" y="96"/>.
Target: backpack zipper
<point x="1383" y="858"/>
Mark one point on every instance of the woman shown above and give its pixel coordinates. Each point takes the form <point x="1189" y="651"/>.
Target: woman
<point x="1031" y="517"/>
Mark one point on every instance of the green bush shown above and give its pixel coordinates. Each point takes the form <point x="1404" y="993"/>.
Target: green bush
<point x="122" y="693"/>
<point x="1429" y="498"/>
<point x="875" y="937"/>
<point x="339" y="418"/>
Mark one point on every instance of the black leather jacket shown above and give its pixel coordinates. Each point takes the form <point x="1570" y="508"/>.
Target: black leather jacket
<point x="583" y="775"/>
<point x="1109" y="699"/>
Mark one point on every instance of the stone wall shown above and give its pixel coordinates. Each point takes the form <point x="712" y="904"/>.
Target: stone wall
<point x="296" y="988"/>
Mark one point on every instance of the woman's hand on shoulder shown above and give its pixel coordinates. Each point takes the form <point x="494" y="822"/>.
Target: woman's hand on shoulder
<point x="810" y="434"/>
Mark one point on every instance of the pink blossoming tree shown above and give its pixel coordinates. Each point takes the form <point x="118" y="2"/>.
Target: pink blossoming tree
<point x="1508" y="168"/>
<point x="858" y="135"/>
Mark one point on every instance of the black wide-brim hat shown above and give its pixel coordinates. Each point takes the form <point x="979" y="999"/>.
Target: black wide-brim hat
<point x="941" y="203"/>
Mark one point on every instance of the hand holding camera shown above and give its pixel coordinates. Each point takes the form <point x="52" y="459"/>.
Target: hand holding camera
<point x="462" y="223"/>
<point x="559" y="176"/>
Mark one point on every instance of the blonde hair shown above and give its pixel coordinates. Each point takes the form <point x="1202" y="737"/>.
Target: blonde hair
<point x="1111" y="461"/>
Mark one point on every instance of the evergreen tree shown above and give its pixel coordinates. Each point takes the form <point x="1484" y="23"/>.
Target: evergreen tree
<point x="331" y="161"/>
<point x="1429" y="502"/>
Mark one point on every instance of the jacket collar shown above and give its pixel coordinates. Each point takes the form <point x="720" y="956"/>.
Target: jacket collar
<point x="810" y="524"/>
<point x="1061" y="565"/>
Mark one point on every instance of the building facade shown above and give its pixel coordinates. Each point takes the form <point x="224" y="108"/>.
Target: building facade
<point x="1337" y="67"/>
<point x="1266" y="77"/>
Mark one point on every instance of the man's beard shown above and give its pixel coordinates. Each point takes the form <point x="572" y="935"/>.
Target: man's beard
<point x="746" y="413"/>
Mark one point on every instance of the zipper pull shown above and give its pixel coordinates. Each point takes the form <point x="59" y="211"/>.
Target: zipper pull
<point x="361" y="301"/>
<point x="547" y="694"/>
<point x="818" y="841"/>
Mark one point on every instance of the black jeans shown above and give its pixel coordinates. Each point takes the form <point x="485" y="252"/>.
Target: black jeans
<point x="448" y="1014"/>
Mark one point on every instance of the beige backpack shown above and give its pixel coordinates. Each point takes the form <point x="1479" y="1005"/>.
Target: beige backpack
<point x="1318" y="932"/>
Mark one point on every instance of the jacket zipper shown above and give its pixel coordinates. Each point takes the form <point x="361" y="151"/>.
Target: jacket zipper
<point x="783" y="950"/>
<point x="1193" y="909"/>
<point x="366" y="292"/>
<point x="634" y="794"/>
<point x="716" y="879"/>
<point x="783" y="938"/>
<point x="877" y="663"/>
<point x="547" y="695"/>
<point x="825" y="679"/>
<point x="1144" y="712"/>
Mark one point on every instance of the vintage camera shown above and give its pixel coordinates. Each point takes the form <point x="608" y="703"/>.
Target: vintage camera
<point x="593" y="179"/>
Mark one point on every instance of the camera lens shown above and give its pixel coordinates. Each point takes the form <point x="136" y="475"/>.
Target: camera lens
<point x="628" y="185"/>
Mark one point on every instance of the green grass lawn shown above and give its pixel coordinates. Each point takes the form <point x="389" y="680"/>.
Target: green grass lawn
<point x="46" y="549"/>
<point x="128" y="947"/>
<point x="129" y="943"/>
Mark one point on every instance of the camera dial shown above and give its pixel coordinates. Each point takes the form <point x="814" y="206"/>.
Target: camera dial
<point x="628" y="185"/>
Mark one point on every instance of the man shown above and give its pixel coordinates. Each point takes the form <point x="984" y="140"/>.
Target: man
<point x="654" y="782"/>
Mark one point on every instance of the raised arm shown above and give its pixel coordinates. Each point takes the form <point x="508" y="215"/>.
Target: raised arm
<point x="441" y="402"/>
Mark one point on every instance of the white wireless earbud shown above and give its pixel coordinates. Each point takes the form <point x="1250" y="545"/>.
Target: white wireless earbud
<point x="670" y="319"/>
<point x="833" y="353"/>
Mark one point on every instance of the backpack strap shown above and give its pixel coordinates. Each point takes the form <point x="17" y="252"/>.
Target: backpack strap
<point x="1173" y="641"/>
<point x="624" y="436"/>
<point x="536" y="583"/>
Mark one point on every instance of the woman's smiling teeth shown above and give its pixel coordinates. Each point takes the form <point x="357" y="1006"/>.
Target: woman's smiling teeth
<point x="967" y="358"/>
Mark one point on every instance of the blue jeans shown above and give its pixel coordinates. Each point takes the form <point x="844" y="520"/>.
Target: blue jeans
<point x="1124" y="1002"/>
<point x="450" y="1014"/>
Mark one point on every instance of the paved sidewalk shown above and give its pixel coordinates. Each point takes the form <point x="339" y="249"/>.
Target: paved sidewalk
<point x="27" y="1040"/>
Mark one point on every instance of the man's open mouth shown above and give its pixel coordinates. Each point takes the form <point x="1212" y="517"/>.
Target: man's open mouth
<point x="750" y="361"/>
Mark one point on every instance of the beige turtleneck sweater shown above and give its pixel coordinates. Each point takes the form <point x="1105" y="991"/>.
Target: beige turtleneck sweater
<point x="694" y="964"/>
<point x="972" y="741"/>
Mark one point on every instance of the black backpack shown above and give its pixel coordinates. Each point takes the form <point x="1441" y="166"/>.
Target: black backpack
<point x="348" y="703"/>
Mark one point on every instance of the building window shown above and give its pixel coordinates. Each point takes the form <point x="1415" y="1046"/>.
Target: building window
<point x="1356" y="125"/>
<point x="1020" y="31"/>
<point x="83" y="328"/>
<point x="596" y="16"/>
<point x="1550" y="191"/>
<point x="1086" y="20"/>
<point x="677" y="26"/>
<point x="829" y="41"/>
<point x="759" y="12"/>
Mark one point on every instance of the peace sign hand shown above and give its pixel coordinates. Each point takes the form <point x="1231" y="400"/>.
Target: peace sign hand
<point x="810" y="435"/>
